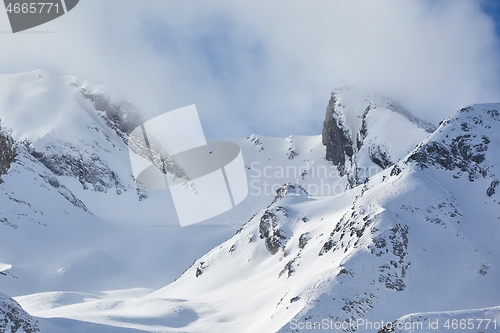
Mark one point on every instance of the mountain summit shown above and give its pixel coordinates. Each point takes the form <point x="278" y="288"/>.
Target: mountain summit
<point x="365" y="132"/>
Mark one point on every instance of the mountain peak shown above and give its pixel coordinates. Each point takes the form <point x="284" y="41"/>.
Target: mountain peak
<point x="365" y="132"/>
<point x="34" y="104"/>
<point x="462" y="142"/>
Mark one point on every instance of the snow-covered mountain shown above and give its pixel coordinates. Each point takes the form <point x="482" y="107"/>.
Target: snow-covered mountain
<point x="420" y="236"/>
<point x="373" y="220"/>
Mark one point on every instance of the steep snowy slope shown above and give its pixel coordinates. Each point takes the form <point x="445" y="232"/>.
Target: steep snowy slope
<point x="419" y="237"/>
<point x="40" y="213"/>
<point x="70" y="213"/>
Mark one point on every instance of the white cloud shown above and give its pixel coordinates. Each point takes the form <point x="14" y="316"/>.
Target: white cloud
<point x="268" y="66"/>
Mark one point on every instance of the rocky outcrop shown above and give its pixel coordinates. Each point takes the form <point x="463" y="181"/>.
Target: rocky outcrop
<point x="7" y="151"/>
<point x="90" y="170"/>
<point x="13" y="318"/>
<point x="287" y="189"/>
<point x="335" y="137"/>
<point x="463" y="148"/>
<point x="271" y="221"/>
<point x="122" y="118"/>
<point x="270" y="231"/>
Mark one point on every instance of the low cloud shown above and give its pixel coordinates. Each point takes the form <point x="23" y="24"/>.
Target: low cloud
<point x="269" y="66"/>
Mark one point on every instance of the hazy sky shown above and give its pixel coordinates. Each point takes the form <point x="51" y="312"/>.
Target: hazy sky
<point x="269" y="66"/>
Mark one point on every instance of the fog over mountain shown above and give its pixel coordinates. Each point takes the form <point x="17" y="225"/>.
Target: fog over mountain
<point x="257" y="64"/>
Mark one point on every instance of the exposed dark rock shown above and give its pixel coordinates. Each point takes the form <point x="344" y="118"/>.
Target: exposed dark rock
<point x="292" y="154"/>
<point x="6" y="222"/>
<point x="358" y="306"/>
<point x="200" y="269"/>
<point x="327" y="247"/>
<point x="395" y="171"/>
<point x="141" y="194"/>
<point x="269" y="229"/>
<point x="288" y="269"/>
<point x="364" y="130"/>
<point x="491" y="190"/>
<point x="303" y="239"/>
<point x="380" y="157"/>
<point x="7" y="151"/>
<point x="495" y="114"/>
<point x="65" y="192"/>
<point x="288" y="188"/>
<point x="394" y="272"/>
<point x="483" y="270"/>
<point x="379" y="246"/>
<point x="122" y="118"/>
<point x="89" y="169"/>
<point x="464" y="152"/>
<point x="334" y="136"/>
<point x="152" y="149"/>
<point x="14" y="319"/>
<point x="344" y="271"/>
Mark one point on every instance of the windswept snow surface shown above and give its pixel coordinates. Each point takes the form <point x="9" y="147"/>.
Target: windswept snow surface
<point x="83" y="251"/>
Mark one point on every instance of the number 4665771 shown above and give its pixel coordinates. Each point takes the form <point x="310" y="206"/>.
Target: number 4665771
<point x="470" y="324"/>
<point x="32" y="8"/>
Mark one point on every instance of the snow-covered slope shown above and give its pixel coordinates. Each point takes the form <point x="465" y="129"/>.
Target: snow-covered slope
<point x="394" y="222"/>
<point x="68" y="196"/>
<point x="70" y="213"/>
<point x="418" y="237"/>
